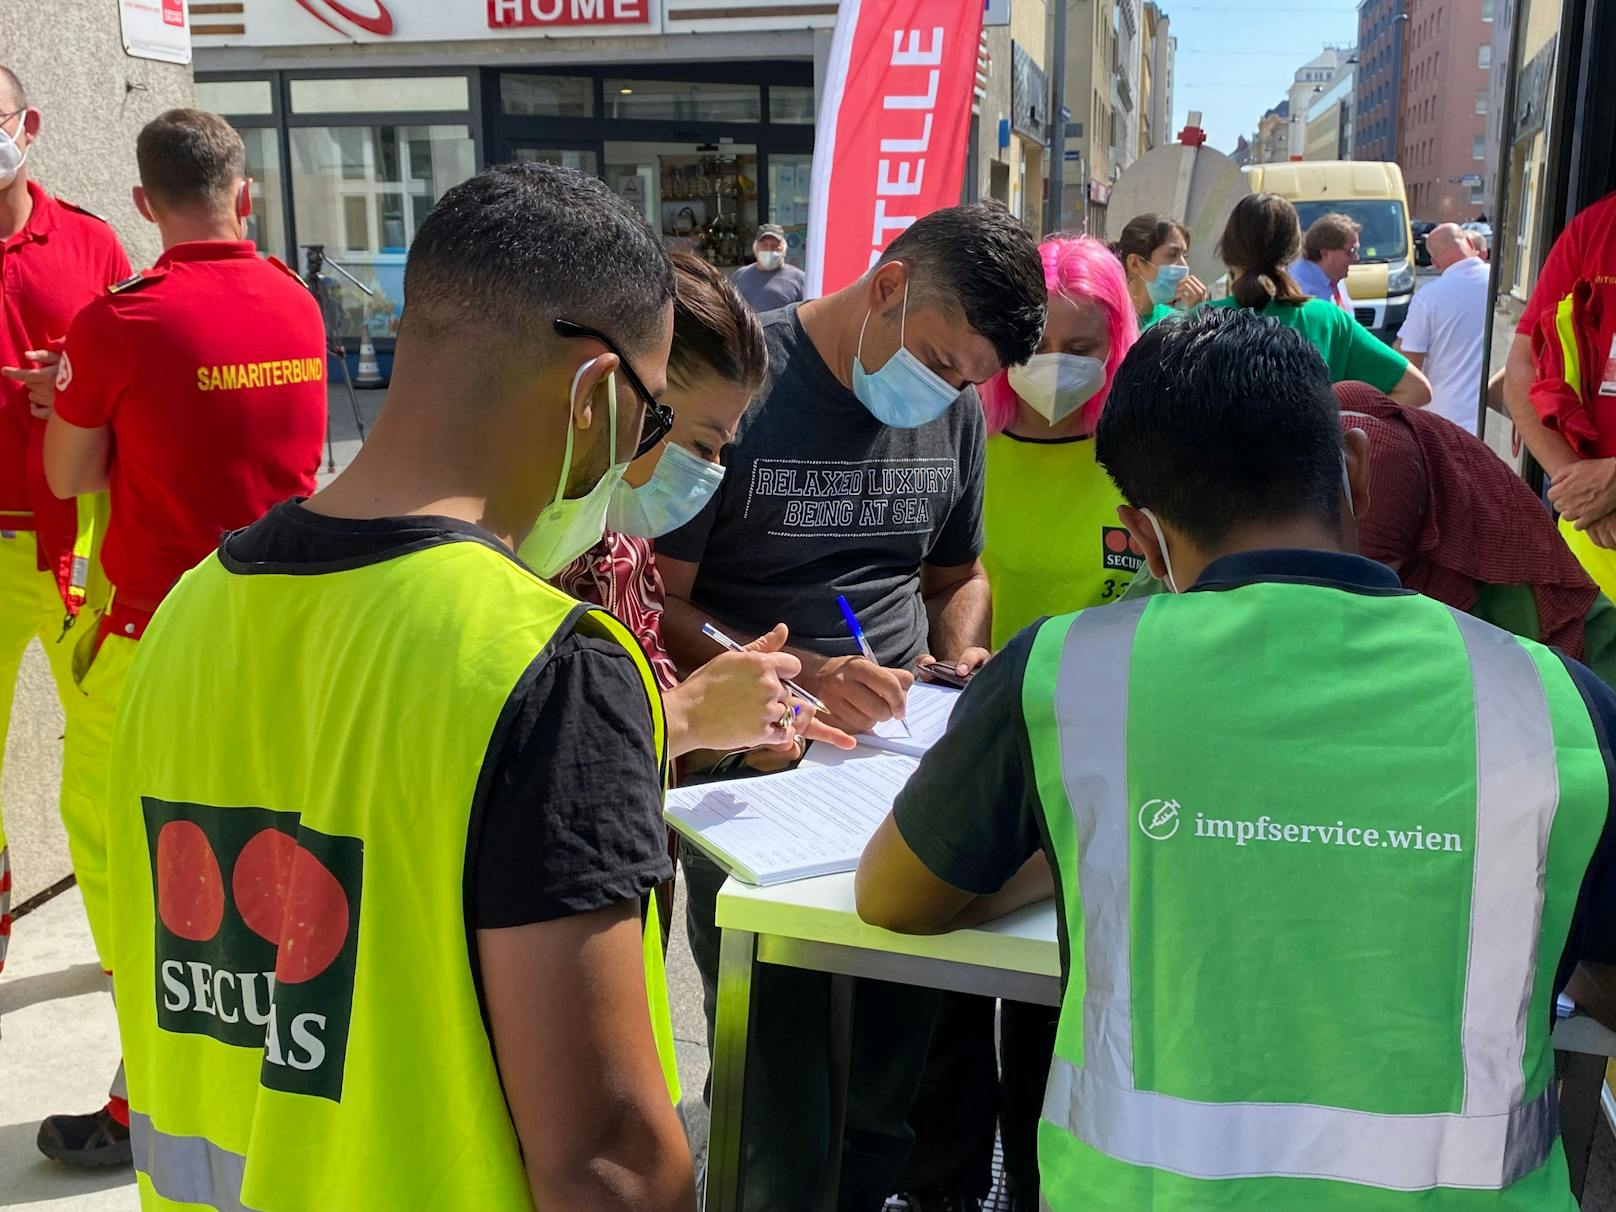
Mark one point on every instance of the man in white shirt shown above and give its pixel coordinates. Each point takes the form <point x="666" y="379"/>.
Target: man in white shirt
<point x="1443" y="333"/>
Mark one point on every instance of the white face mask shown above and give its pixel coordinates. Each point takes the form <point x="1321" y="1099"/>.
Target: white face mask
<point x="770" y="259"/>
<point x="12" y="157"/>
<point x="1055" y="385"/>
<point x="675" y="493"/>
<point x="569" y="527"/>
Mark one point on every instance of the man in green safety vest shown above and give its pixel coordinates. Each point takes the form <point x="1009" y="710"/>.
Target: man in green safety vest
<point x="1324" y="850"/>
<point x="386" y="815"/>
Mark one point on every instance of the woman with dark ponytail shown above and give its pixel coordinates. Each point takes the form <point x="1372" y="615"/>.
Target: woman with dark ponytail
<point x="1262" y="237"/>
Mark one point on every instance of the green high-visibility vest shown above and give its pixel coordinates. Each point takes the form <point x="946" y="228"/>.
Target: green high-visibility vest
<point x="1317" y="855"/>
<point x="296" y="769"/>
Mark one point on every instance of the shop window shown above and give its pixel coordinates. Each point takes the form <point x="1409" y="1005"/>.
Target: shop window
<point x="381" y="95"/>
<point x="683" y="101"/>
<point x="236" y="98"/>
<point x="788" y="103"/>
<point x="266" y="227"/>
<point x="363" y="191"/>
<point x="527" y="96"/>
<point x="788" y="201"/>
<point x="583" y="161"/>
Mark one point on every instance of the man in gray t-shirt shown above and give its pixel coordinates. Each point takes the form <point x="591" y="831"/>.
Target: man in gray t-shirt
<point x="857" y="470"/>
<point x="769" y="283"/>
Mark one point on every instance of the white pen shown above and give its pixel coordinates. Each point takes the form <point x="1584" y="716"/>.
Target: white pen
<point x="712" y="633"/>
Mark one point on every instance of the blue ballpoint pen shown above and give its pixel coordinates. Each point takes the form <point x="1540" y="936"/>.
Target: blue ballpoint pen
<point x="864" y="645"/>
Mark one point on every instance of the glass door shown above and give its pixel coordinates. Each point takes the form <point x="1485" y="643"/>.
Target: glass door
<point x="699" y="196"/>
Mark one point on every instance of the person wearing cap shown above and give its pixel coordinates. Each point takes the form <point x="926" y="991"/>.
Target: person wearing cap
<point x="769" y="283"/>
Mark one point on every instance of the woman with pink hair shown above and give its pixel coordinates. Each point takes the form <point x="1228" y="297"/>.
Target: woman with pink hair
<point x="1053" y="542"/>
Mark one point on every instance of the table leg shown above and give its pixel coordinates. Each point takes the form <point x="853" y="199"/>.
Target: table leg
<point x="1582" y="1079"/>
<point x="725" y="1139"/>
<point x="841" y="1061"/>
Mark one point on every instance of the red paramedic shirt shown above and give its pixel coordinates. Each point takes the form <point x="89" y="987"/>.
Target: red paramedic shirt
<point x="210" y="371"/>
<point x="1585" y="252"/>
<point x="61" y="259"/>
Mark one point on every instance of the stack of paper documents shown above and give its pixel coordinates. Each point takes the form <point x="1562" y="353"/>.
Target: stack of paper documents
<point x="815" y="820"/>
<point x="927" y="719"/>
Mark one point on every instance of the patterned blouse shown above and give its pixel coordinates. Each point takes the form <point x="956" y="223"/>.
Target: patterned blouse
<point x="619" y="575"/>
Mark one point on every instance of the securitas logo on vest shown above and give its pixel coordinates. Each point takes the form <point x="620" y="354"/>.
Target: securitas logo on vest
<point x="257" y="936"/>
<point x="1119" y="550"/>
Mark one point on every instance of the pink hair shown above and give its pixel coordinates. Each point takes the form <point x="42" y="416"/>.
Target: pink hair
<point x="1082" y="269"/>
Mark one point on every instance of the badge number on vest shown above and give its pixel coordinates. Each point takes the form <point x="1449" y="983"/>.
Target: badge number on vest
<point x="257" y="936"/>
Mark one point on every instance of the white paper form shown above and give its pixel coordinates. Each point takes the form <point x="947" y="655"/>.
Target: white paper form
<point x="930" y="706"/>
<point x="780" y="827"/>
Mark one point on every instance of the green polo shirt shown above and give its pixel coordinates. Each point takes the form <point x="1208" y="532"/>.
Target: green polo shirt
<point x="1349" y="349"/>
<point x="1156" y="314"/>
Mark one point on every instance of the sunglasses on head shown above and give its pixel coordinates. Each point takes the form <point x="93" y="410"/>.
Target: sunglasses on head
<point x="658" y="416"/>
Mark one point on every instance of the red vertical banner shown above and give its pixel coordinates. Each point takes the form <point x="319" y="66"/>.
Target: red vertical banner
<point x="894" y="118"/>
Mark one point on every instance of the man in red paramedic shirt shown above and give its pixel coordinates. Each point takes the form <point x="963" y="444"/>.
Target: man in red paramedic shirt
<point x="1560" y="385"/>
<point x="54" y="258"/>
<point x="196" y="392"/>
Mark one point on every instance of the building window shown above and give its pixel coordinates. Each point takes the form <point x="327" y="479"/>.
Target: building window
<point x="382" y="95"/>
<point x="546" y="96"/>
<point x="266" y="226"/>
<point x="789" y="103"/>
<point x="365" y="190"/>
<point x="1478" y="148"/>
<point x="1486" y="10"/>
<point x="1478" y="195"/>
<point x="1484" y="57"/>
<point x="1481" y="100"/>
<point x="683" y="101"/>
<point x="239" y="98"/>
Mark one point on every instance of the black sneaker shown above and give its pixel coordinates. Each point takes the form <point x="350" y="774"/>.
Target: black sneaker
<point x="949" y="1198"/>
<point x="86" y="1142"/>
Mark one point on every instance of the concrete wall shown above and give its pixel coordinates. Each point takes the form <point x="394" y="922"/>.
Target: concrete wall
<point x="69" y="55"/>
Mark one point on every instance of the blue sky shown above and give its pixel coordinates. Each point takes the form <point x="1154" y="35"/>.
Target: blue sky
<point x="1236" y="57"/>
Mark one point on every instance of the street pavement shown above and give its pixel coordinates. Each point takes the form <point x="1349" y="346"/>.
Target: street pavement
<point x="58" y="1037"/>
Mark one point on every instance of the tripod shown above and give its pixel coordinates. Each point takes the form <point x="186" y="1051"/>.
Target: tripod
<point x="316" y="260"/>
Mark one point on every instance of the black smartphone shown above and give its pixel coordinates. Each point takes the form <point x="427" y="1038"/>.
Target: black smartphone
<point x="942" y="675"/>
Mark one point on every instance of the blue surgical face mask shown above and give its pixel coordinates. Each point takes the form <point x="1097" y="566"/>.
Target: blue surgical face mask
<point x="905" y="393"/>
<point x="675" y="493"/>
<point x="1163" y="287"/>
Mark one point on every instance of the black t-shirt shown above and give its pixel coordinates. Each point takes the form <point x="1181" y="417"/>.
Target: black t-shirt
<point x="572" y="820"/>
<point x="819" y="498"/>
<point x="971" y="813"/>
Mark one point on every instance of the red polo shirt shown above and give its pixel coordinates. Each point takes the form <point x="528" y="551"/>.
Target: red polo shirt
<point x="210" y="372"/>
<point x="61" y="259"/>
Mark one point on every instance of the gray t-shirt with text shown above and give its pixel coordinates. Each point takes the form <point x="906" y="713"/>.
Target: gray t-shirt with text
<point x="821" y="499"/>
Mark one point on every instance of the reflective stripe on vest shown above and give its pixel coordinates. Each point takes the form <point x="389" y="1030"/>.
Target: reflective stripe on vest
<point x="1496" y="1138"/>
<point x="187" y="1169"/>
<point x="78" y="579"/>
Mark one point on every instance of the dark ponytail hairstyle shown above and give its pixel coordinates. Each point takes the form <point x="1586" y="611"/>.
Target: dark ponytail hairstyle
<point x="714" y="331"/>
<point x="1262" y="237"/>
<point x="1144" y="234"/>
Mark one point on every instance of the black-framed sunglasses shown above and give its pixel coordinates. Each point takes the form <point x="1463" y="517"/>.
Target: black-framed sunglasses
<point x="658" y="420"/>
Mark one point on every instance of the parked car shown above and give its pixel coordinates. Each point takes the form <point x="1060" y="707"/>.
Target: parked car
<point x="1421" y="228"/>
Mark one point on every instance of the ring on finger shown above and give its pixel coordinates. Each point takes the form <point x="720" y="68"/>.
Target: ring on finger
<point x="787" y="715"/>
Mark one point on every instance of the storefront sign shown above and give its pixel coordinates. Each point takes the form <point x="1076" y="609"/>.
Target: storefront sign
<point x="156" y="29"/>
<point x="890" y="143"/>
<point x="541" y="14"/>
<point x="310" y="22"/>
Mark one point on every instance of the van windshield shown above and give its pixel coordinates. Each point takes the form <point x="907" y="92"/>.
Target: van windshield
<point x="1384" y="234"/>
